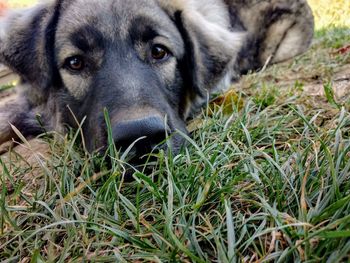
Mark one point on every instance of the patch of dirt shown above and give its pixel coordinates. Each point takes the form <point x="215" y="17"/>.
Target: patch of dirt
<point x="340" y="83"/>
<point x="24" y="162"/>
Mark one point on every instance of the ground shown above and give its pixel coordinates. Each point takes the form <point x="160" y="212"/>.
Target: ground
<point x="266" y="177"/>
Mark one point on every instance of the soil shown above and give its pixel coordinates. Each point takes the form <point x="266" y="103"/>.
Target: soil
<point x="340" y="84"/>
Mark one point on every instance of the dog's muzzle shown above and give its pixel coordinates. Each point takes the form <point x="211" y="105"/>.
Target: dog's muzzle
<point x="144" y="135"/>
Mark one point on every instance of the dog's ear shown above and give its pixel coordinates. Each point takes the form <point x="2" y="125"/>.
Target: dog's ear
<point x="27" y="40"/>
<point x="211" y="47"/>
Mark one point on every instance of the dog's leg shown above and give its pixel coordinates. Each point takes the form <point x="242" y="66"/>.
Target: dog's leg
<point x="277" y="30"/>
<point x="290" y="35"/>
<point x="16" y="111"/>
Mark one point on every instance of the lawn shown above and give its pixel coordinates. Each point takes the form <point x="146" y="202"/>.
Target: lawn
<point x="265" y="177"/>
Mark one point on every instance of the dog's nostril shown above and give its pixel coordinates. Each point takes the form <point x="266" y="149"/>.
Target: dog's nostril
<point x="151" y="130"/>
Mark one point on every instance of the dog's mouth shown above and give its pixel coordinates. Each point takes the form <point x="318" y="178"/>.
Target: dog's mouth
<point x="140" y="147"/>
<point x="138" y="153"/>
<point x="141" y="157"/>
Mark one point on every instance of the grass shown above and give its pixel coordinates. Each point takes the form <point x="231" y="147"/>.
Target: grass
<point x="265" y="177"/>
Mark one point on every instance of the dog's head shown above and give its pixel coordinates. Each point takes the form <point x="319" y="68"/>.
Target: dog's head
<point x="148" y="62"/>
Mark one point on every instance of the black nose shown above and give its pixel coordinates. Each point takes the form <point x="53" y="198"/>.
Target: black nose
<point x="151" y="129"/>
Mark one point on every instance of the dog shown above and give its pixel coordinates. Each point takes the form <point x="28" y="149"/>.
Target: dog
<point x="151" y="64"/>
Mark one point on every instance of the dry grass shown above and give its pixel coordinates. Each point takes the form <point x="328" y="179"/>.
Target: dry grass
<point x="335" y="13"/>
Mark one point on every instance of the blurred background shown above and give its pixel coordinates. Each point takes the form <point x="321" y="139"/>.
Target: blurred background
<point x="331" y="13"/>
<point x="328" y="13"/>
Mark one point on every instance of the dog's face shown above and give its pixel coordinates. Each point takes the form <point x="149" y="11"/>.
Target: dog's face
<point x="146" y="62"/>
<point x="124" y="58"/>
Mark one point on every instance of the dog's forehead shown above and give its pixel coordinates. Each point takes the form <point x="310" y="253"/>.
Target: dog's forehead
<point x="113" y="18"/>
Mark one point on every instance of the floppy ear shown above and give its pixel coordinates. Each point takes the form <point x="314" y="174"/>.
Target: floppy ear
<point x="26" y="42"/>
<point x="211" y="47"/>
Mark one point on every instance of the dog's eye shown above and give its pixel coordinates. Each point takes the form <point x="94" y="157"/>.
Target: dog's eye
<point x="75" y="63"/>
<point x="159" y="52"/>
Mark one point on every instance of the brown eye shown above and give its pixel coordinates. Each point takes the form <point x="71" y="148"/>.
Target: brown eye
<point x="159" y="52"/>
<point x="75" y="63"/>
